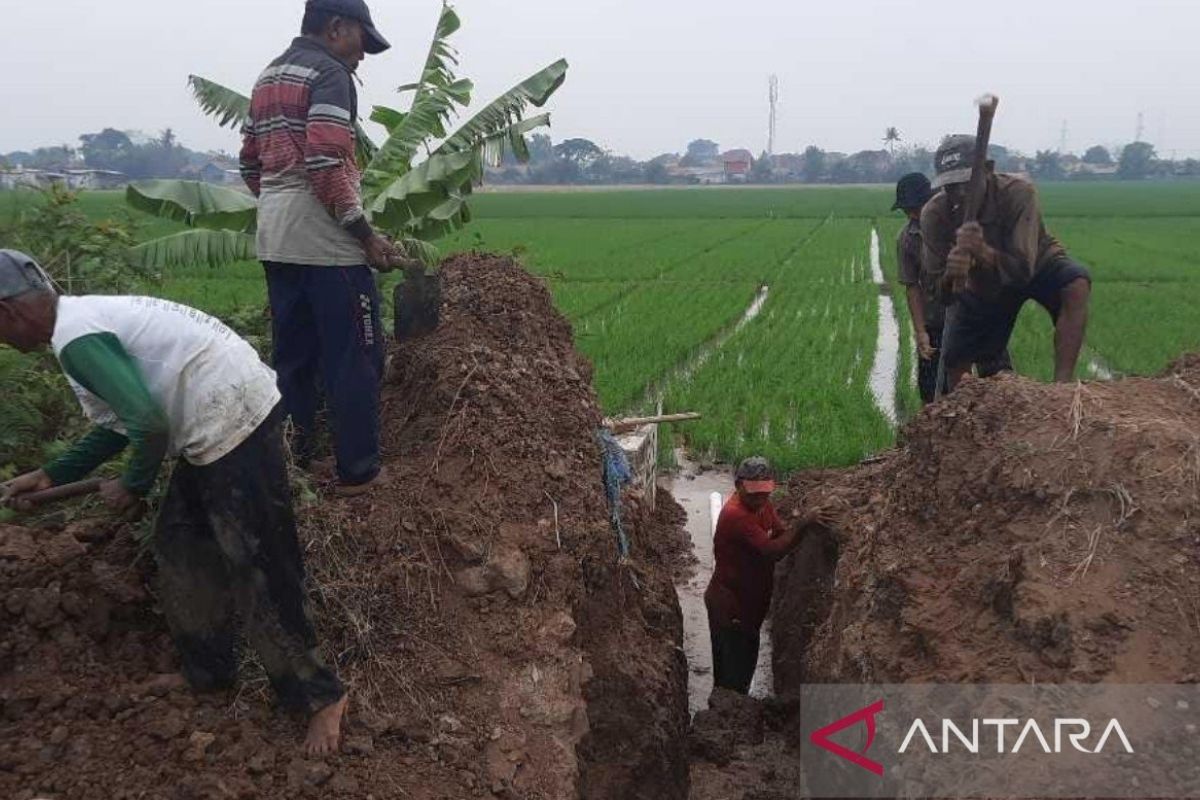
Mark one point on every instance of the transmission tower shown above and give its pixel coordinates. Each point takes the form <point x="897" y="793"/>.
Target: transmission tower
<point x="773" y="93"/>
<point x="1141" y="129"/>
<point x="1062" y="139"/>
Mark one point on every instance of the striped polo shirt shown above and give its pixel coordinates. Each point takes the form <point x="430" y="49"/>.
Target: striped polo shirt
<point x="298" y="159"/>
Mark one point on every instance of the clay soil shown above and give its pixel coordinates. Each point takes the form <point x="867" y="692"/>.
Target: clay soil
<point x="475" y="605"/>
<point x="495" y="647"/>
<point x="1019" y="533"/>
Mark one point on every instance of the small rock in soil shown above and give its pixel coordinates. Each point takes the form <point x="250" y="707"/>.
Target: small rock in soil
<point x="42" y="607"/>
<point x="358" y="745"/>
<point x="474" y="581"/>
<point x="62" y="549"/>
<point x="167" y="726"/>
<point x="198" y="744"/>
<point x="301" y="773"/>
<point x="510" y="568"/>
<point x="344" y="785"/>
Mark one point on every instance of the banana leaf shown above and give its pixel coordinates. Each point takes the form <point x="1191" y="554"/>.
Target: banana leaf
<point x="231" y="109"/>
<point x="194" y="247"/>
<point x="437" y="94"/>
<point x="195" y="204"/>
<point x="507" y="109"/>
<point x="429" y="200"/>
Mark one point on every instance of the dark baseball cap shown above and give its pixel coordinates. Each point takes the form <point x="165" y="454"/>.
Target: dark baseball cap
<point x="357" y="10"/>
<point x="953" y="160"/>
<point x="756" y="475"/>
<point x="912" y="191"/>
<point x="20" y="274"/>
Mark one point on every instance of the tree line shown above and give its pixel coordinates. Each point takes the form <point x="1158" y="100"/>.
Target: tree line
<point x="580" y="161"/>
<point x="130" y="153"/>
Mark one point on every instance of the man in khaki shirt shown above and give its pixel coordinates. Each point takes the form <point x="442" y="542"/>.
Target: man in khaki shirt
<point x="1001" y="261"/>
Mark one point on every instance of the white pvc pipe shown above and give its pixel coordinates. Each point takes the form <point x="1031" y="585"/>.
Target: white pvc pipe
<point x="714" y="511"/>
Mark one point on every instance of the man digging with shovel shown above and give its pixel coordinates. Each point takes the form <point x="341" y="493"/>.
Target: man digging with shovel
<point x="993" y="263"/>
<point x="925" y="308"/>
<point x="170" y="381"/>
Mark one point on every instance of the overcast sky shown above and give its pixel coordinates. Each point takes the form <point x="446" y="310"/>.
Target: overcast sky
<point x="647" y="76"/>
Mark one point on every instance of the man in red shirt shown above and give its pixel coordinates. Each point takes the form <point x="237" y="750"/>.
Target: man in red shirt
<point x="750" y="538"/>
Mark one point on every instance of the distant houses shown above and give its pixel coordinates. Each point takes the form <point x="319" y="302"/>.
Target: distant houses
<point x="216" y="169"/>
<point x="219" y="171"/>
<point x="731" y="167"/>
<point x="74" y="179"/>
<point x="96" y="179"/>
<point x="736" y="164"/>
<point x="704" y="175"/>
<point x="788" y="167"/>
<point x="1093" y="170"/>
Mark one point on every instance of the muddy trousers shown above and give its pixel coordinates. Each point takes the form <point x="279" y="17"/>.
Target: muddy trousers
<point x="735" y="657"/>
<point x="229" y="564"/>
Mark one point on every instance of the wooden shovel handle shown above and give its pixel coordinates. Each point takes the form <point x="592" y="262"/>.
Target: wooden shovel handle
<point x="67" y="491"/>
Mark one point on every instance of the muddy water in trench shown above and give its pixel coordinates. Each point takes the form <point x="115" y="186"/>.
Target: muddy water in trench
<point x="694" y="489"/>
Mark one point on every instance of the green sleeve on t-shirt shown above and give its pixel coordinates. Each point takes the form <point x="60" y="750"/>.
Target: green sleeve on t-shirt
<point x="99" y="363"/>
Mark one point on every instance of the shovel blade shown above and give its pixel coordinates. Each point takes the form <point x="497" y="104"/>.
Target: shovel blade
<point x="418" y="302"/>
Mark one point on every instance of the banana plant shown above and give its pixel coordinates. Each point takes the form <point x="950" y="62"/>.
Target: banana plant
<point x="414" y="186"/>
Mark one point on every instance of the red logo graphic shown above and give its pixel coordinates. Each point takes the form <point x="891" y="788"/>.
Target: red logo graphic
<point x="821" y="737"/>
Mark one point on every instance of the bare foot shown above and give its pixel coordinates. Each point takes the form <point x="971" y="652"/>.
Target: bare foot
<point x="325" y="728"/>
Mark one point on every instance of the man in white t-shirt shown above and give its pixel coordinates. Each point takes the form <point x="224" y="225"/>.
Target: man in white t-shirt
<point x="171" y="382"/>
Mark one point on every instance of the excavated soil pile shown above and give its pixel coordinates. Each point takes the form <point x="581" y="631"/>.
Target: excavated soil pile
<point x="474" y="605"/>
<point x="1021" y="532"/>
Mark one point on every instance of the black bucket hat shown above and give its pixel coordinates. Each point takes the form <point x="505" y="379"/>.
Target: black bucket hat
<point x="912" y="191"/>
<point x="356" y="10"/>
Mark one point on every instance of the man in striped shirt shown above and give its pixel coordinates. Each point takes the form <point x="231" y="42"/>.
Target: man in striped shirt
<point x="314" y="239"/>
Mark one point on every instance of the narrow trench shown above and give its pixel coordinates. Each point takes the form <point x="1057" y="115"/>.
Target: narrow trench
<point x="804" y="593"/>
<point x="702" y="494"/>
<point x="765" y="765"/>
<point x="743" y="754"/>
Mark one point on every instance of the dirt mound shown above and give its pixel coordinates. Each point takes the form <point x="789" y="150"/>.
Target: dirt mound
<point x="475" y="606"/>
<point x="1021" y="532"/>
<point x="1187" y="368"/>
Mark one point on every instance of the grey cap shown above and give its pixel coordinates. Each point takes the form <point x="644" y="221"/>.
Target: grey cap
<point x="953" y="160"/>
<point x="20" y="274"/>
<point x="357" y="10"/>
